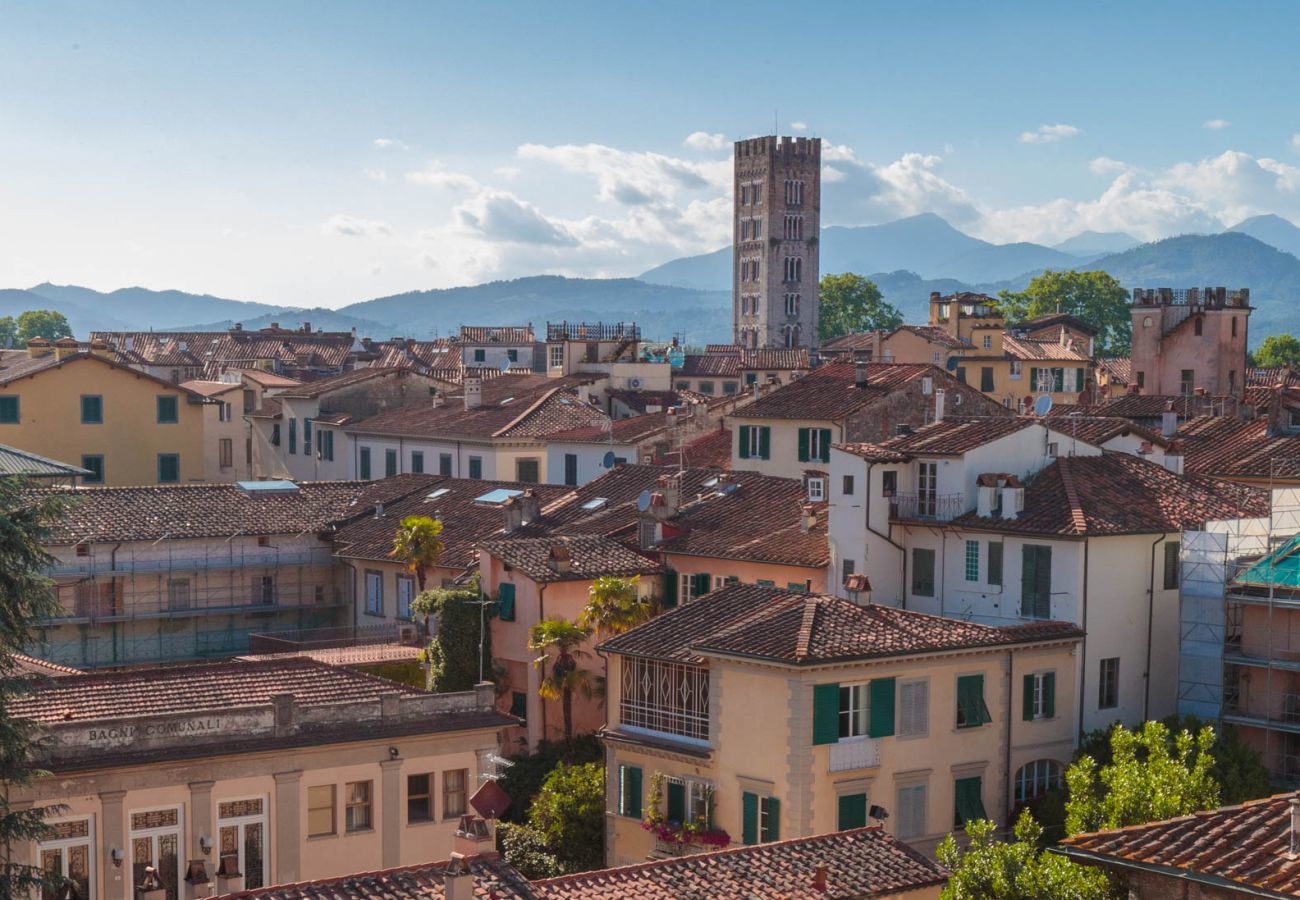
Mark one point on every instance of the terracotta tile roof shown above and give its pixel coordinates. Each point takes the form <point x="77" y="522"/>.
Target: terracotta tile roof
<point x="559" y="411"/>
<point x="873" y="452"/>
<point x="631" y="430"/>
<point x="709" y="365"/>
<point x="452" y="501"/>
<point x="1119" y="368"/>
<point x="1246" y="845"/>
<point x="287" y="347"/>
<point x="1097" y="430"/>
<point x="493" y="878"/>
<point x="148" y="513"/>
<point x="800" y="628"/>
<point x="406" y="354"/>
<point x="847" y="343"/>
<point x="211" y="388"/>
<point x="956" y="435"/>
<point x="865" y="862"/>
<point x="162" y="690"/>
<point x="496" y="334"/>
<point x="831" y="392"/>
<point x="933" y="334"/>
<point x="589" y="556"/>
<point x="713" y="450"/>
<point x="30" y="665"/>
<point x="1116" y="493"/>
<point x="1226" y="447"/>
<point x="1272" y="376"/>
<point x="775" y="358"/>
<point x="1152" y="406"/>
<point x="321" y="386"/>
<point x="1037" y="323"/>
<point x="1046" y="350"/>
<point x="270" y="409"/>
<point x="267" y="379"/>
<point x="16" y="364"/>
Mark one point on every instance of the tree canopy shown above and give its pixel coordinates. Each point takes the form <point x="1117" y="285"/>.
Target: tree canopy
<point x="1095" y="297"/>
<point x="614" y="605"/>
<point x="851" y="304"/>
<point x="991" y="869"/>
<point x="47" y="323"/>
<point x="563" y="640"/>
<point x="1278" y="350"/>
<point x="565" y="831"/>
<point x="417" y="544"/>
<point x="453" y="656"/>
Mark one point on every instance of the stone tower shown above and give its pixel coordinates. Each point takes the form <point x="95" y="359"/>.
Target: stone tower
<point x="774" y="265"/>
<point x="1190" y="341"/>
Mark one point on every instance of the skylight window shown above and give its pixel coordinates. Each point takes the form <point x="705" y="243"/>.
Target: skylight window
<point x="712" y="482"/>
<point x="506" y="401"/>
<point x="438" y="493"/>
<point x="497" y="497"/>
<point x="275" y="486"/>
<point x="595" y="503"/>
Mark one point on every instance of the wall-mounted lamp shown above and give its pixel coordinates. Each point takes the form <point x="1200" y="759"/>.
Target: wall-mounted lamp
<point x="392" y="753"/>
<point x="117" y="856"/>
<point x="205" y="844"/>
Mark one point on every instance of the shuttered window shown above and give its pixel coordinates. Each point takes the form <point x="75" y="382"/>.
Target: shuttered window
<point x="851" y="812"/>
<point x="911" y="811"/>
<point x="994" y="565"/>
<point x="1036" y="582"/>
<point x="922" y="572"/>
<point x="826" y="713"/>
<point x="1171" y="565"/>
<point x="969" y="805"/>
<point x="814" y="445"/>
<point x="1039" y="696"/>
<point x="169" y="468"/>
<point x="506" y="602"/>
<point x="629" y="791"/>
<point x="365" y="464"/>
<point x="971" y="709"/>
<point x="913" y="708"/>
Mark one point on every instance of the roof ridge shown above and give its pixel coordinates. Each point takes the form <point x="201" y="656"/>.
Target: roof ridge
<point x="1077" y="519"/>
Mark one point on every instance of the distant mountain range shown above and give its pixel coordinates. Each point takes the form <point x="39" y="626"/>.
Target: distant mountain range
<point x="691" y="296"/>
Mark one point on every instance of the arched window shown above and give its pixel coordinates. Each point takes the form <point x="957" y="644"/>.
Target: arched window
<point x="1037" y="778"/>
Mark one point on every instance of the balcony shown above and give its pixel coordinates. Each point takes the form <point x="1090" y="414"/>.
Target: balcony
<point x="939" y="507"/>
<point x="854" y="753"/>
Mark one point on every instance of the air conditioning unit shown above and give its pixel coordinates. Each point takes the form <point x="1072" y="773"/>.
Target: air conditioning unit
<point x="634" y="383"/>
<point x="406" y="634"/>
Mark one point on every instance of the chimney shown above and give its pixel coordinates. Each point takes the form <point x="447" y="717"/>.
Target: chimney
<point x="1174" y="458"/>
<point x="239" y="326"/>
<point x="858" y="587"/>
<point x="860" y="377"/>
<point x="284" y="710"/>
<point x="38" y="347"/>
<point x="379" y="510"/>
<point x="667" y="497"/>
<point x="99" y="348"/>
<point x="939" y="396"/>
<point x="819" y="879"/>
<point x="514" y="514"/>
<point x="474" y="838"/>
<point x="1293" y="848"/>
<point x="306" y="327"/>
<point x="473" y="389"/>
<point x="561" y="559"/>
<point x="530" y="507"/>
<point x="1013" y="500"/>
<point x="807" y="518"/>
<point x="457" y="879"/>
<point x="1168" y="422"/>
<point x="65" y="347"/>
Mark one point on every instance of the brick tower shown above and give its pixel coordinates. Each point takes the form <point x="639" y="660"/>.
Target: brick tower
<point x="774" y="264"/>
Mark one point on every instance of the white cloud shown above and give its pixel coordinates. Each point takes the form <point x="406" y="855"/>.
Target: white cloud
<point x="865" y="192"/>
<point x="1295" y="142"/>
<point x="798" y="126"/>
<point x="386" y="143"/>
<point x="632" y="178"/>
<point x="499" y="216"/>
<point x="509" y="173"/>
<point x="1215" y="124"/>
<point x="351" y="226"/>
<point x="376" y="269"/>
<point x="375" y="174"/>
<point x="435" y="175"/>
<point x="1049" y="134"/>
<point x="702" y="140"/>
<point x="1104" y="165"/>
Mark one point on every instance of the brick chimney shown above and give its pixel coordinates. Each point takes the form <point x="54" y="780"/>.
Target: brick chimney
<point x="38" y="347"/>
<point x="473" y="389"/>
<point x="561" y="558"/>
<point x="457" y="879"/>
<point x="807" y="518"/>
<point x="474" y="838"/>
<point x="65" y="347"/>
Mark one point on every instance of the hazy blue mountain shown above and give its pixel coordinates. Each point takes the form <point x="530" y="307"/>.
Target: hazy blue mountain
<point x="911" y="293"/>
<point x="706" y="272"/>
<point x="994" y="262"/>
<point x="156" y="309"/>
<point x="82" y="317"/>
<point x="1097" y="243"/>
<point x="1272" y="230"/>
<point x="321" y="320"/>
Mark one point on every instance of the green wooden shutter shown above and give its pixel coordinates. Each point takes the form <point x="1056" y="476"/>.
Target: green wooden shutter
<point x="995" y="563"/>
<point x="670" y="588"/>
<point x="764" y="442"/>
<point x="1027" y="702"/>
<point x="825" y="445"/>
<point x="803" y="444"/>
<point x="506" y="602"/>
<point x="852" y="812"/>
<point x="1036" y="581"/>
<point x="749" y="818"/>
<point x="703" y="583"/>
<point x="1049" y="695"/>
<point x="773" y="832"/>
<point x="970" y="701"/>
<point x="826" y="713"/>
<point x="1033" y="378"/>
<point x="744" y="441"/>
<point x="1078" y="379"/>
<point x="632" y="791"/>
<point x="676" y="802"/>
<point x="882" y="707"/>
<point x="969" y="804"/>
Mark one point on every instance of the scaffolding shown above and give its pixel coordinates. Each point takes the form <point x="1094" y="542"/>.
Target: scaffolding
<point x="178" y="599"/>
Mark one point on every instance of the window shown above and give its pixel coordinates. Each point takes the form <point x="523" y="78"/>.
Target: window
<point x="729" y="387"/>
<point x="66" y="852"/>
<point x="405" y="594"/>
<point x="1171" y="565"/>
<point x="846" y="711"/>
<point x="814" y="445"/>
<point x="92" y="409"/>
<point x="1186" y="381"/>
<point x="95" y="465"/>
<point x="512" y="354"/>
<point x="1108" y="684"/>
<point x="506" y="601"/>
<point x="476" y="467"/>
<point x="306" y="437"/>
<point x="922" y="572"/>
<point x="986" y="377"/>
<point x="169" y="468"/>
<point x="1141" y="379"/>
<point x="556" y="354"/>
<point x="419" y="798"/>
<point x="155" y="840"/>
<point x="630" y="779"/>
<point x="320" y="810"/>
<point x="8" y="410"/>
<point x="357" y="814"/>
<point x="444" y="464"/>
<point x="793" y="228"/>
<point x="793" y="193"/>
<point x="755" y="442"/>
<point x="275" y="434"/>
<point x="1146" y="321"/>
<point x="225" y="452"/>
<point x="988" y="343"/>
<point x="994" y="564"/>
<point x="888" y="483"/>
<point x="927" y="488"/>
<point x="1036" y="582"/>
<point x="706" y="387"/>
<point x="848" y="486"/>
<point x="1016" y="370"/>
<point x="972" y="560"/>
<point x="365" y="464"/>
<point x="971" y="709"/>
<point x="178" y="593"/>
<point x="168" y="411"/>
<point x="694" y="585"/>
<point x="793" y="269"/>
<point x="417" y="462"/>
<point x="760" y="818"/>
<point x="1036" y="778"/>
<point x="293" y="436"/>
<point x="854" y="710"/>
<point x="375" y="593"/>
<point x="390" y="462"/>
<point x="969" y="802"/>
<point x="847" y="568"/>
<point x="571" y="469"/>
<point x="910" y="810"/>
<point x="816" y="490"/>
<point x="1233" y="319"/>
<point x="519" y="705"/>
<point x="792" y="305"/>
<point x="913" y="708"/>
<point x="851" y="812"/>
<point x="527" y="471"/>
<point x="264" y="590"/>
<point x="480" y="354"/>
<point x="1039" y="696"/>
<point x="453" y="793"/>
<point x="667" y="697"/>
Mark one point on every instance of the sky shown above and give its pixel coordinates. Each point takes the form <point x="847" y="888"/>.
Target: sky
<point x="315" y="154"/>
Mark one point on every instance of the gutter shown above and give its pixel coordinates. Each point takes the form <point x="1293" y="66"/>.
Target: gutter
<point x="1103" y="861"/>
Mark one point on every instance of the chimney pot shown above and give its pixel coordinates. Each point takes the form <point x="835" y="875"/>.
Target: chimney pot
<point x="819" y="879"/>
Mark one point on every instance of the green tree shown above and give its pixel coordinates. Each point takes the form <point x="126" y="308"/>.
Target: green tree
<point x="852" y="304"/>
<point x="47" y="323"/>
<point x="1094" y="297"/>
<point x="561" y="639"/>
<point x="1278" y="350"/>
<point x="991" y="869"/>
<point x="8" y="331"/>
<point x="26" y="520"/>
<point x="417" y="544"/>
<point x="462" y="646"/>
<point x="527" y="772"/>
<point x="1149" y="778"/>
<point x="569" y="814"/>
<point x="613" y="605"/>
<point x="525" y="848"/>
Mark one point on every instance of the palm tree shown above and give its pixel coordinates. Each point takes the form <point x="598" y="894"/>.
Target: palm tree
<point x="561" y="638"/>
<point x="613" y="606"/>
<point x="418" y="545"/>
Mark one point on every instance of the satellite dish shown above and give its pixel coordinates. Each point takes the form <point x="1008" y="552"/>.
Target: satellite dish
<point x="643" y="501"/>
<point x="952" y="363"/>
<point x="1043" y="405"/>
<point x="608" y="461"/>
<point x="505" y="365"/>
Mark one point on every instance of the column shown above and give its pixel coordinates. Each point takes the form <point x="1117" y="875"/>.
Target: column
<point x="113" y="879"/>
<point x="201" y="818"/>
<point x="287" y="852"/>
<point x="390" y="827"/>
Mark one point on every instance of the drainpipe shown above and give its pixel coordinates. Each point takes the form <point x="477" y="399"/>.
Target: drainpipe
<point x="541" y="616"/>
<point x="1083" y="647"/>
<point x="1011" y="709"/>
<point x="902" y="551"/>
<point x="353" y="592"/>
<point x="1151" y="609"/>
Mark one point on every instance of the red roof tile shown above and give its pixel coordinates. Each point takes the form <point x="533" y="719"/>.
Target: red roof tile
<point x="1051" y="351"/>
<point x="1226" y="447"/>
<point x="831" y="392"/>
<point x="956" y="435"/>
<point x="589" y="556"/>
<point x="713" y="450"/>
<point x="496" y="334"/>
<point x="873" y="452"/>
